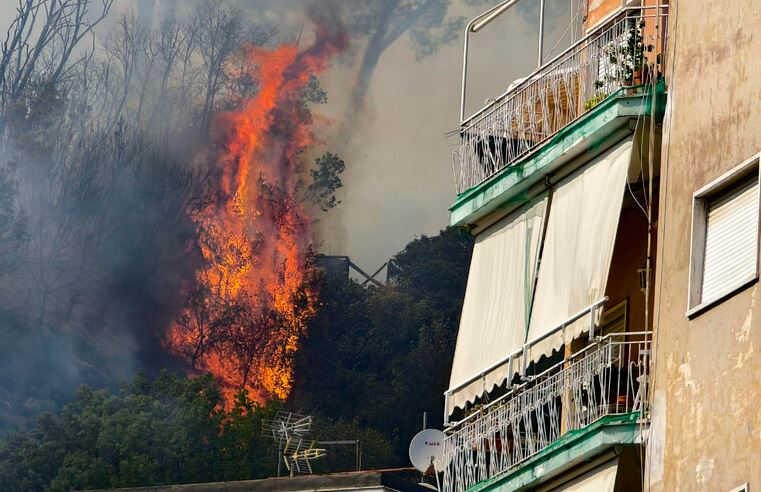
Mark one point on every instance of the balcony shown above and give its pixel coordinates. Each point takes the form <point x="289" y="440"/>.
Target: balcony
<point x="621" y="57"/>
<point x="607" y="378"/>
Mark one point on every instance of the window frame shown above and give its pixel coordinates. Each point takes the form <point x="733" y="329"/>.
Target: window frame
<point x="700" y="201"/>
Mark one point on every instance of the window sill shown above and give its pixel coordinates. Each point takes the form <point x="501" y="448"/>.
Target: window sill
<point x="704" y="306"/>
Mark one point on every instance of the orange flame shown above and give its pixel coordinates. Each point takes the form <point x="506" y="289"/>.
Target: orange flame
<point x="245" y="317"/>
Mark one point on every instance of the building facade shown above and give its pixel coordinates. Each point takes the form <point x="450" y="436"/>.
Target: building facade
<point x="706" y="419"/>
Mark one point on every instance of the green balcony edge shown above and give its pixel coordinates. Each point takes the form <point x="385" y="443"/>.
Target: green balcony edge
<point x="508" y="187"/>
<point x="573" y="448"/>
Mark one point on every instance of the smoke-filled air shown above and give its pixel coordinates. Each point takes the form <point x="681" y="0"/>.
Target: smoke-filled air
<point x="156" y="194"/>
<point x="193" y="199"/>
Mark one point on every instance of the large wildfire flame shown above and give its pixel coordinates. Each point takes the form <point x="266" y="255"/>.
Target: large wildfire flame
<point x="244" y="318"/>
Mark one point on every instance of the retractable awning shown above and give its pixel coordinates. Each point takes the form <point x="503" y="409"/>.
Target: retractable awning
<point x="578" y="247"/>
<point x="495" y="311"/>
<point x="504" y="287"/>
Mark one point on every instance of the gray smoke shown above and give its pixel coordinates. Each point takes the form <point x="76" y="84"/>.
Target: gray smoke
<point x="103" y="165"/>
<point x="105" y="157"/>
<point x="395" y="100"/>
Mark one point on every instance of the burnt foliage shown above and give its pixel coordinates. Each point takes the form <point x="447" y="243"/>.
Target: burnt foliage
<point x="104" y="159"/>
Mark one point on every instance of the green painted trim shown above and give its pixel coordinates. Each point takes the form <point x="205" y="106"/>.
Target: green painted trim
<point x="573" y="447"/>
<point x="502" y="190"/>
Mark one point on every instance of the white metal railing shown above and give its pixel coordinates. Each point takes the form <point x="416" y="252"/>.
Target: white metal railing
<point x="608" y="377"/>
<point x="523" y="354"/>
<point x="621" y="53"/>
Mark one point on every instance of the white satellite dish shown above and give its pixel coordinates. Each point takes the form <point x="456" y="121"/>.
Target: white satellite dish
<point x="427" y="449"/>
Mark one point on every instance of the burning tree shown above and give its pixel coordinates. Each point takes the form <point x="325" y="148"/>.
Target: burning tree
<point x="105" y="129"/>
<point x="243" y="319"/>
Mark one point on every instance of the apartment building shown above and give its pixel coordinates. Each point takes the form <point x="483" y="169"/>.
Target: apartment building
<point x="559" y="181"/>
<point x="609" y="338"/>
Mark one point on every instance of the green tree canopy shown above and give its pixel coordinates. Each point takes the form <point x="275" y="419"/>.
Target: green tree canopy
<point x="170" y="429"/>
<point x="379" y="357"/>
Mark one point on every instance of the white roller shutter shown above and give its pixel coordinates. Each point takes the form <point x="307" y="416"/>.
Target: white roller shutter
<point x="731" y="243"/>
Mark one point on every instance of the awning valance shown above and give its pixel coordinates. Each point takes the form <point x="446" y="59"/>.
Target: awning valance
<point x="495" y="311"/>
<point x="578" y="247"/>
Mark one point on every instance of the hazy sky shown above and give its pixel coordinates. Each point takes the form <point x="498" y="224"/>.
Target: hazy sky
<point x="398" y="181"/>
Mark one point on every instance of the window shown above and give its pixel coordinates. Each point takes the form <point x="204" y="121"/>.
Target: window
<point x="724" y="236"/>
<point x="614" y="318"/>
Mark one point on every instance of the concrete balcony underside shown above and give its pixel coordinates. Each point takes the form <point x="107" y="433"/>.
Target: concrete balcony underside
<point x="610" y="121"/>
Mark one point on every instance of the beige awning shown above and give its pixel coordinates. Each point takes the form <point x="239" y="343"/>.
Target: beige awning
<point x="572" y="275"/>
<point x="578" y="246"/>
<point x="495" y="310"/>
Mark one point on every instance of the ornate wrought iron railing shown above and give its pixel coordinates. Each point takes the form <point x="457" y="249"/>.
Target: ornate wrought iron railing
<point x="608" y="377"/>
<point x="622" y="53"/>
<point x="523" y="354"/>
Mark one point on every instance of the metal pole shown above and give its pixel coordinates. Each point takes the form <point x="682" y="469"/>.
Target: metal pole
<point x="541" y="33"/>
<point x="446" y="408"/>
<point x="425" y="420"/>
<point x="279" y="454"/>
<point x="376" y="273"/>
<point x="364" y="274"/>
<point x="464" y="72"/>
<point x="475" y="25"/>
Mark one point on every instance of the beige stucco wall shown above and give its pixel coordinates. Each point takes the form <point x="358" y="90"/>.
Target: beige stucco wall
<point x="706" y="429"/>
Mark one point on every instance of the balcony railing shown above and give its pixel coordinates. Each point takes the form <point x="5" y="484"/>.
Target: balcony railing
<point x="623" y="52"/>
<point x="608" y="377"/>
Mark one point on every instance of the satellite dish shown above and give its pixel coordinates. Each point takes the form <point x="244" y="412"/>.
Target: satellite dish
<point x="427" y="450"/>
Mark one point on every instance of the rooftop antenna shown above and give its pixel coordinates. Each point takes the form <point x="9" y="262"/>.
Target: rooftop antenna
<point x="295" y="449"/>
<point x="288" y="429"/>
<point x="298" y="455"/>
<point x="287" y="424"/>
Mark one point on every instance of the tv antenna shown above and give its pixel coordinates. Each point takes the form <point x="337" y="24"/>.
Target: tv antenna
<point x="298" y="455"/>
<point x="289" y="429"/>
<point x="286" y="425"/>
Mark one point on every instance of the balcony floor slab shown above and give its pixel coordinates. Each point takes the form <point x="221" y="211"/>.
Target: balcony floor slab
<point x="581" y="141"/>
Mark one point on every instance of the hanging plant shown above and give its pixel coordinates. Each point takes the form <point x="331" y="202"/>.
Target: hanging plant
<point x="622" y="63"/>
